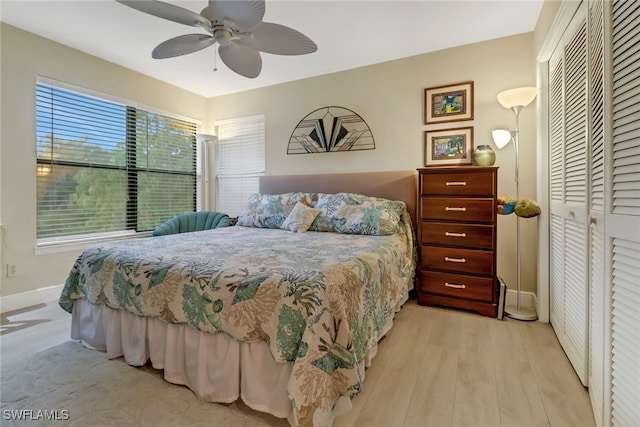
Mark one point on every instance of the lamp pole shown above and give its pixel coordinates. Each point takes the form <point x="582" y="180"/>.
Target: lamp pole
<point x="519" y="313"/>
<point x="515" y="100"/>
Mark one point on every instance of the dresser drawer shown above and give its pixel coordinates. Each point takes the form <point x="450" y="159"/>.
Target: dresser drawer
<point x="476" y="236"/>
<point x="457" y="285"/>
<point x="457" y="260"/>
<point x="458" y="209"/>
<point x="458" y="183"/>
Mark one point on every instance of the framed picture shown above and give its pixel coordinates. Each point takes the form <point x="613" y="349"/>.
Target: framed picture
<point x="448" y="147"/>
<point x="448" y="103"/>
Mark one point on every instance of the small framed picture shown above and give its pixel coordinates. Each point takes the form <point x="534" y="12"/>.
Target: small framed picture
<point x="448" y="103"/>
<point x="448" y="147"/>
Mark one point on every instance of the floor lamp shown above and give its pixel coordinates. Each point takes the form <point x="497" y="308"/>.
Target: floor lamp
<point x="515" y="100"/>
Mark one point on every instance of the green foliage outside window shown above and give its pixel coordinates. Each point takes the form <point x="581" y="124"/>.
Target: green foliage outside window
<point x="105" y="167"/>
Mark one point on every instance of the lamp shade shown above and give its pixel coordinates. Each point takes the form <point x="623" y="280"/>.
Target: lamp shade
<point x="501" y="137"/>
<point x="521" y="96"/>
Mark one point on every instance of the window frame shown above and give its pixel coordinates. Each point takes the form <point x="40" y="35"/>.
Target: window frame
<point x="247" y="174"/>
<point x="50" y="243"/>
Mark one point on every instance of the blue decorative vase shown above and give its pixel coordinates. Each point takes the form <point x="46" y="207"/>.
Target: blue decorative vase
<point x="483" y="155"/>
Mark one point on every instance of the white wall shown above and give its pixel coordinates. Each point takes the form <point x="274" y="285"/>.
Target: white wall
<point x="388" y="96"/>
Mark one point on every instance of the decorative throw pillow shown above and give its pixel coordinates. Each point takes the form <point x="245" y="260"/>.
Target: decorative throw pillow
<point x="270" y="210"/>
<point x="300" y="218"/>
<point x="357" y="214"/>
<point x="328" y="205"/>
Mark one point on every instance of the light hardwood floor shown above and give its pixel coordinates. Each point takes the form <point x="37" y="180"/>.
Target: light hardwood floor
<point x="436" y="367"/>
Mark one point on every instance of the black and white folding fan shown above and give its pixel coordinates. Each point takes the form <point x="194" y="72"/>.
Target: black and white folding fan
<point x="236" y="26"/>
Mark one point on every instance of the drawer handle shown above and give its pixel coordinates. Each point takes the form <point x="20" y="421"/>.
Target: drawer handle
<point x="450" y="234"/>
<point x="455" y="209"/>
<point x="454" y="259"/>
<point x="454" y="285"/>
<point x="456" y="183"/>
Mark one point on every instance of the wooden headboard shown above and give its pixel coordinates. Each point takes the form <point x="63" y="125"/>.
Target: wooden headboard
<point x="395" y="185"/>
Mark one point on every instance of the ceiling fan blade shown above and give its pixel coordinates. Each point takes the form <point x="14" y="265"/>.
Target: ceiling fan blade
<point x="242" y="59"/>
<point x="182" y="45"/>
<point x="244" y="13"/>
<point x="168" y="11"/>
<point x="280" y="40"/>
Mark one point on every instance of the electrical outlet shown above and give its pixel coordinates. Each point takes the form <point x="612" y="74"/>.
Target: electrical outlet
<point x="12" y="270"/>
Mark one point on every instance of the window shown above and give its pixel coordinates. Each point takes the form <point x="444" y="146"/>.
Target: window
<point x="106" y="167"/>
<point x="240" y="162"/>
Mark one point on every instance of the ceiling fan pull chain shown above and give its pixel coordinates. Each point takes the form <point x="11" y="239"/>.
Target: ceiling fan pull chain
<point x="215" y="59"/>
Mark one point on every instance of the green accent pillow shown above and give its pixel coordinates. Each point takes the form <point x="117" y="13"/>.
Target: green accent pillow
<point x="192" y="221"/>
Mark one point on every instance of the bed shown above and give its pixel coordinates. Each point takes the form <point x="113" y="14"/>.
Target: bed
<point x="286" y="321"/>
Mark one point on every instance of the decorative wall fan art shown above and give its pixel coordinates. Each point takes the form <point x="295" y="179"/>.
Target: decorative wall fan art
<point x="330" y="129"/>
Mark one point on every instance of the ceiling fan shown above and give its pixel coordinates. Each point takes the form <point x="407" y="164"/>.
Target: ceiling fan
<point x="235" y="25"/>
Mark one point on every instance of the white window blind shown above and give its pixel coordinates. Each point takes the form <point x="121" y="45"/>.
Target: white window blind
<point x="240" y="162"/>
<point x="106" y="167"/>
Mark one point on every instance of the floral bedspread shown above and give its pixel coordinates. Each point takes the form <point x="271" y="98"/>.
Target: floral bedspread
<point x="319" y="299"/>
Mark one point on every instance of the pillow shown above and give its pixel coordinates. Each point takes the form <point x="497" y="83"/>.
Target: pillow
<point x="300" y="218"/>
<point x="270" y="210"/>
<point x="357" y="214"/>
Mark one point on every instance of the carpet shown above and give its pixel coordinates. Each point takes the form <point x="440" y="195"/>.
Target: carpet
<point x="74" y="386"/>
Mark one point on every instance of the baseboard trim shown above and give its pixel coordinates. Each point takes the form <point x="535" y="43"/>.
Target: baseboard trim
<point x="527" y="299"/>
<point x="29" y="298"/>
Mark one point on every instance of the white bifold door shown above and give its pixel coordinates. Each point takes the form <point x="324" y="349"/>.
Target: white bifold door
<point x="594" y="201"/>
<point x="622" y="237"/>
<point x="569" y="193"/>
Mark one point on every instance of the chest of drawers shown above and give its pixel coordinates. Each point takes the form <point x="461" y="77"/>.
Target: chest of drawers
<point x="457" y="209"/>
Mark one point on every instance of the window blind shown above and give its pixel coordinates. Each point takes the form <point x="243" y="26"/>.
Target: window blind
<point x="106" y="167"/>
<point x="240" y="162"/>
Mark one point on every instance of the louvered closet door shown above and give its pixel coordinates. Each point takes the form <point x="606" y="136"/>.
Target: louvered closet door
<point x="597" y="261"/>
<point x="569" y="194"/>
<point x="623" y="221"/>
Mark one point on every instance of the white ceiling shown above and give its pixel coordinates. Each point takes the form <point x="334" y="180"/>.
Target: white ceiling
<point x="349" y="34"/>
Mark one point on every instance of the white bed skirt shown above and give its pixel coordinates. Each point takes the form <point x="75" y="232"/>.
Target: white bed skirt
<point x="193" y="358"/>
